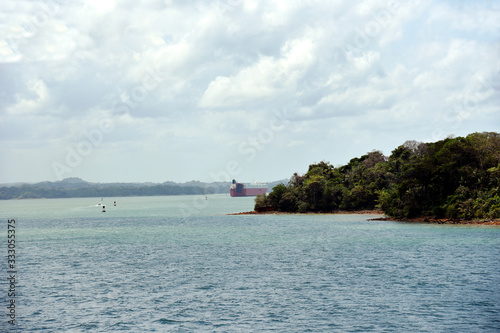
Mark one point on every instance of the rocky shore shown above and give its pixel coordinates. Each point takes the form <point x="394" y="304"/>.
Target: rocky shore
<point x="384" y="218"/>
<point x="439" y="221"/>
<point x="274" y="212"/>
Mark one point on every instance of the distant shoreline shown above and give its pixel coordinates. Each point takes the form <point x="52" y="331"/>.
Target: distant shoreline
<point x="384" y="218"/>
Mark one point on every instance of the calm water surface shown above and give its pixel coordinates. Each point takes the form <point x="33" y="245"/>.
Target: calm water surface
<point x="179" y="264"/>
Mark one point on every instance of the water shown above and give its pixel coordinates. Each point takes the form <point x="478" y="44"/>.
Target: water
<point x="179" y="264"/>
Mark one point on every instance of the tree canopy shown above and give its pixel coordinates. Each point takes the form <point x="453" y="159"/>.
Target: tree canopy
<point x="453" y="178"/>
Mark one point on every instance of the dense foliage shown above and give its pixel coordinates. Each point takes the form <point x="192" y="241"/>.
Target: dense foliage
<point x="453" y="178"/>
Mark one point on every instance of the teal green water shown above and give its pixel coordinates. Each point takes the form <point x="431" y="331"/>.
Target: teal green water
<point x="181" y="264"/>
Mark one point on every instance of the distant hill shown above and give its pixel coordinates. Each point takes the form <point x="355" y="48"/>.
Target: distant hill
<point x="78" y="188"/>
<point x="271" y="185"/>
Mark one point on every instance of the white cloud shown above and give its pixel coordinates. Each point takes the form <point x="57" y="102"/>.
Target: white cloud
<point x="458" y="17"/>
<point x="101" y="6"/>
<point x="187" y="82"/>
<point x="35" y="101"/>
<point x="267" y="77"/>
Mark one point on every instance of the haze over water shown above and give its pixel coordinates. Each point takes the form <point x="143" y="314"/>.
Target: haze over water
<point x="180" y="264"/>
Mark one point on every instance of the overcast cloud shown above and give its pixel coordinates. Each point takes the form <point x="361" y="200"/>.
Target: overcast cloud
<point x="248" y="89"/>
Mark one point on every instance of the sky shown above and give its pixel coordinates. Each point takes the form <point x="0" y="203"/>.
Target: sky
<point x="170" y="90"/>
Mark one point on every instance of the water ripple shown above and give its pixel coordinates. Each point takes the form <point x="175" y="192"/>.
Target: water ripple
<point x="258" y="273"/>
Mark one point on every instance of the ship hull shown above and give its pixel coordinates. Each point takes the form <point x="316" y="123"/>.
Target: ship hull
<point x="247" y="192"/>
<point x="240" y="190"/>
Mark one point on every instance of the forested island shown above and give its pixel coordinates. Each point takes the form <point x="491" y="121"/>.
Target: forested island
<point x="455" y="178"/>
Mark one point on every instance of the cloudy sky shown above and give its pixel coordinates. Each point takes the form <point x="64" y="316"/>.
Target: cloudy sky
<point x="157" y="90"/>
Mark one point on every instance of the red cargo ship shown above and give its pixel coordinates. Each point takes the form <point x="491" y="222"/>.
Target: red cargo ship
<point x="247" y="190"/>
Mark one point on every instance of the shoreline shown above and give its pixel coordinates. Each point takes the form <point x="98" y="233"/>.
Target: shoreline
<point x="432" y="220"/>
<point x="429" y="220"/>
<point x="338" y="212"/>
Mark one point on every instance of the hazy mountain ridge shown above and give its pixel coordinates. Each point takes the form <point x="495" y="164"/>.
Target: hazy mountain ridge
<point x="76" y="187"/>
